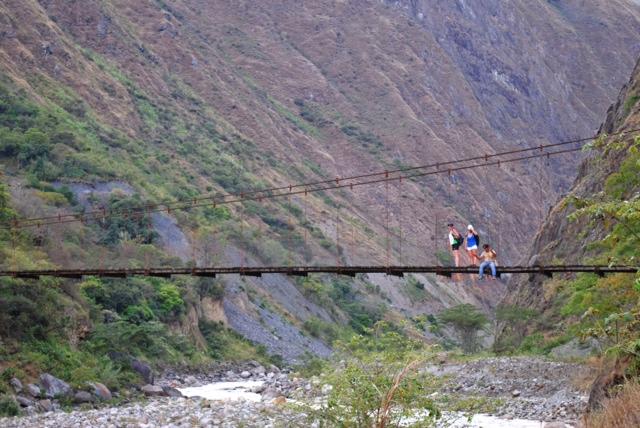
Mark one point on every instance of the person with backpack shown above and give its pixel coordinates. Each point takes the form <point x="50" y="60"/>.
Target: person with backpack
<point x="489" y="257"/>
<point x="455" y="240"/>
<point x="473" y="241"/>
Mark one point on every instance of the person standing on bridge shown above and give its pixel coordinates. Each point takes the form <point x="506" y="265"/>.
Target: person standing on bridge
<point x="472" y="245"/>
<point x="455" y="240"/>
<point x="489" y="256"/>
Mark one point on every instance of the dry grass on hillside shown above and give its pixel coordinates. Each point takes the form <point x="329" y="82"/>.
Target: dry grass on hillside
<point x="621" y="411"/>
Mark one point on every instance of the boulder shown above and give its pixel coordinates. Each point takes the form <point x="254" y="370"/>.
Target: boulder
<point x="516" y="393"/>
<point x="171" y="392"/>
<point x="101" y="391"/>
<point x="153" y="391"/>
<point x="274" y="369"/>
<point x="16" y="384"/>
<point x="575" y="349"/>
<point x="259" y="389"/>
<point x="52" y="387"/>
<point x="24" y="401"/>
<point x="144" y="370"/>
<point x="245" y="374"/>
<point x="259" y="371"/>
<point x="83" y="397"/>
<point x="33" y="390"/>
<point x="45" y="405"/>
<point x="270" y="393"/>
<point x="190" y="380"/>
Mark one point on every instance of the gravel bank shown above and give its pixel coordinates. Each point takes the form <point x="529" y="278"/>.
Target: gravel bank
<point x="528" y="388"/>
<point x="531" y="389"/>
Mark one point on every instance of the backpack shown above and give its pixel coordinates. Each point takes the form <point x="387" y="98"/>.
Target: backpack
<point x="477" y="239"/>
<point x="458" y="240"/>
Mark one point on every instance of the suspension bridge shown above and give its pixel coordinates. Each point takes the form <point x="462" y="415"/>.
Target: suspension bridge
<point x="283" y="192"/>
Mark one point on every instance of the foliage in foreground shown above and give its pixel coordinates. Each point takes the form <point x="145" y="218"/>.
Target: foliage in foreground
<point x="622" y="410"/>
<point x="377" y="383"/>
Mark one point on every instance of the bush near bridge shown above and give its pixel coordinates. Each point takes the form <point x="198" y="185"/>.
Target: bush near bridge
<point x="376" y="382"/>
<point x="467" y="321"/>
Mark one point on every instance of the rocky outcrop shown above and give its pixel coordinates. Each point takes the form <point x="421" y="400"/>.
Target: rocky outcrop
<point x="52" y="387"/>
<point x="101" y="391"/>
<point x="144" y="370"/>
<point x="153" y="391"/>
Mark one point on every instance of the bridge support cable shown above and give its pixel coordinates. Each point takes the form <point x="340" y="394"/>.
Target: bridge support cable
<point x="323" y="185"/>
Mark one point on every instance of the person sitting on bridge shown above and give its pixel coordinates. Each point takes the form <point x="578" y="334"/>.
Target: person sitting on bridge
<point x="472" y="245"/>
<point x="489" y="256"/>
<point x="455" y="240"/>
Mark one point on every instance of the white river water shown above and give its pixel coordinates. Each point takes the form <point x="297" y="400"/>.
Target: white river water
<point x="225" y="391"/>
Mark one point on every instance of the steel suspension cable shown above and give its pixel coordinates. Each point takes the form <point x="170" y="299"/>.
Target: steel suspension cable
<point x="194" y="202"/>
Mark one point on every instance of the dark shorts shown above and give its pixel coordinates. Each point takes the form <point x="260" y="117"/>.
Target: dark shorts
<point x="455" y="247"/>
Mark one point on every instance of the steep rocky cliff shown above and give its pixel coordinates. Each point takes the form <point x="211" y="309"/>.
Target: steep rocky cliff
<point x="610" y="175"/>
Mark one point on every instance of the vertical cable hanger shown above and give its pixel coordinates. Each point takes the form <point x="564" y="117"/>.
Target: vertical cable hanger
<point x="399" y="219"/>
<point x="14" y="230"/>
<point x="435" y="240"/>
<point x="338" y="261"/>
<point x="290" y="234"/>
<point x="387" y="219"/>
<point x="540" y="193"/>
<point x="306" y="222"/>
<point x="147" y="255"/>
<point x="353" y="244"/>
<point x="242" y="237"/>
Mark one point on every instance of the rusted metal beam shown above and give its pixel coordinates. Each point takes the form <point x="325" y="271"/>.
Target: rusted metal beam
<point x="352" y="271"/>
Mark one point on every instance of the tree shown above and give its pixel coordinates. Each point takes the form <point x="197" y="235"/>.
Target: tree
<point x="515" y="318"/>
<point x="468" y="321"/>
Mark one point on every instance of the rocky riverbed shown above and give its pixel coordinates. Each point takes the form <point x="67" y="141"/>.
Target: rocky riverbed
<point x="528" y="392"/>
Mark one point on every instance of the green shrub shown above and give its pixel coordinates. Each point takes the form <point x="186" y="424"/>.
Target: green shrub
<point x="9" y="406"/>
<point x="32" y="309"/>
<point x="630" y="103"/>
<point x="171" y="303"/>
<point x="116" y="295"/>
<point x="11" y="372"/>
<point x="208" y="287"/>
<point x="131" y="224"/>
<point x="150" y="340"/>
<point x="227" y="345"/>
<point x="533" y="344"/>
<point x="321" y="329"/>
<point x="138" y="314"/>
<point x="377" y="382"/>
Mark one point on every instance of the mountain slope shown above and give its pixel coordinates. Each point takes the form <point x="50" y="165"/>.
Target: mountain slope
<point x="172" y="101"/>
